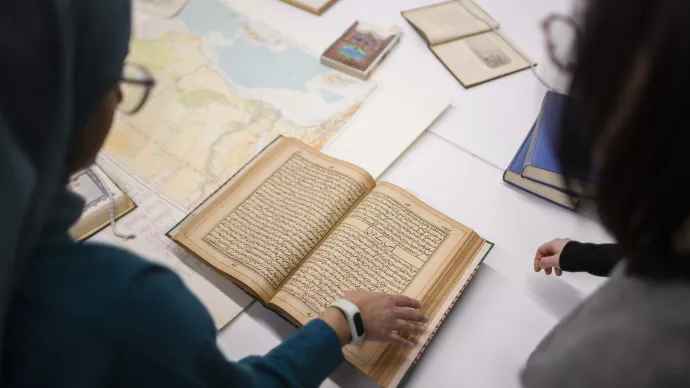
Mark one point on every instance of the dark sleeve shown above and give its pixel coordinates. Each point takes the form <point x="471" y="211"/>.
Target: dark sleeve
<point x="303" y="360"/>
<point x="597" y="259"/>
<point x="174" y="334"/>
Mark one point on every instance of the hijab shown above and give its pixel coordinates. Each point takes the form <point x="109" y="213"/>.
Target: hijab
<point x="58" y="58"/>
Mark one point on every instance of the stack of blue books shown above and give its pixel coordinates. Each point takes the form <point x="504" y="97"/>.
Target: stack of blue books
<point x="535" y="168"/>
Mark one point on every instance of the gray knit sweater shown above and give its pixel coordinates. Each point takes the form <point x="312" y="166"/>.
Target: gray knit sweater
<point x="630" y="333"/>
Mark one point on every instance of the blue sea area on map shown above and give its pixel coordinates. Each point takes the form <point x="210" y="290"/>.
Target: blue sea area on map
<point x="249" y="64"/>
<point x="329" y="96"/>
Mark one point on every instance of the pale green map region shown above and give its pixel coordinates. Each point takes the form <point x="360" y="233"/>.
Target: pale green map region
<point x="226" y="87"/>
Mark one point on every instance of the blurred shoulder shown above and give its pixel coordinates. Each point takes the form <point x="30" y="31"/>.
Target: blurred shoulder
<point x="127" y="296"/>
<point x="630" y="333"/>
<point x="96" y="315"/>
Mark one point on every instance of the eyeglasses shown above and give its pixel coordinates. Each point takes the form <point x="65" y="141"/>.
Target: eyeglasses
<point x="562" y="33"/>
<point x="136" y="85"/>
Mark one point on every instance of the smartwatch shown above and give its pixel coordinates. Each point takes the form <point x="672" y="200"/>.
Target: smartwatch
<point x="353" y="316"/>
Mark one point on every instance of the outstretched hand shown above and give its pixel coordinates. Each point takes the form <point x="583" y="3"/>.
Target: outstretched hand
<point x="385" y="316"/>
<point x="548" y="256"/>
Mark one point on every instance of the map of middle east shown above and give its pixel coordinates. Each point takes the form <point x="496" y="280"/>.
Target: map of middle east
<point x="226" y="86"/>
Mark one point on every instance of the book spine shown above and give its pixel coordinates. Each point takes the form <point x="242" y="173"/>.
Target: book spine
<point x="571" y="207"/>
<point x="381" y="57"/>
<point x="535" y="136"/>
<point x="443" y="318"/>
<point x="572" y="193"/>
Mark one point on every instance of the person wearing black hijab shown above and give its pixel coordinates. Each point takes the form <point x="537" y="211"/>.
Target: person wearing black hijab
<point x="89" y="315"/>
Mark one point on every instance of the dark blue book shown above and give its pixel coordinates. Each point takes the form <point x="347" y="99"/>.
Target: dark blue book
<point x="513" y="176"/>
<point x="541" y="164"/>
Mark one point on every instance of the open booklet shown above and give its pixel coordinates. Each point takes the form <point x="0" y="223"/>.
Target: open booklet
<point x="317" y="7"/>
<point x="467" y="41"/>
<point x="298" y="229"/>
<point x="98" y="190"/>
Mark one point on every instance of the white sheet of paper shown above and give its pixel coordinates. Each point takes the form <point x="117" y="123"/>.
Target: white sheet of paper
<point x="387" y="125"/>
<point x="152" y="218"/>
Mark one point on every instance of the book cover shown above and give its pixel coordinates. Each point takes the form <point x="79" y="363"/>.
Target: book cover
<point x="359" y="50"/>
<point x="541" y="162"/>
<point x="512" y="176"/>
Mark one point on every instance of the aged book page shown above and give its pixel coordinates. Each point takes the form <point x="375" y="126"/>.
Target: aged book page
<point x="390" y="242"/>
<point x="480" y="58"/>
<point x="259" y="228"/>
<point x="449" y="20"/>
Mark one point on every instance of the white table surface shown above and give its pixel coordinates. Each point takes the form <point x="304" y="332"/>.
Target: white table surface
<point x="482" y="343"/>
<point x="457" y="169"/>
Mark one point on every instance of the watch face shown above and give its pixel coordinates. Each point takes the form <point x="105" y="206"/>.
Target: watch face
<point x="359" y="325"/>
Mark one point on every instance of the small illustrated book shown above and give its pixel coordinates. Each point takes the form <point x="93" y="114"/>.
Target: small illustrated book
<point x="360" y="49"/>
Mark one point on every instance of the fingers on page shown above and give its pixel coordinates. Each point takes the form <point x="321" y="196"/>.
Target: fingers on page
<point x="407" y="327"/>
<point x="398" y="340"/>
<point x="410" y="315"/>
<point x="406" y="301"/>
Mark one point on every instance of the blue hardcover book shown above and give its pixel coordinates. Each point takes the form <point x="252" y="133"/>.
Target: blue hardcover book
<point x="541" y="164"/>
<point x="512" y="176"/>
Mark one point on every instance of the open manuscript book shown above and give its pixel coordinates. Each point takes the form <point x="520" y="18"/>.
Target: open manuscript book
<point x="298" y="229"/>
<point x="467" y="41"/>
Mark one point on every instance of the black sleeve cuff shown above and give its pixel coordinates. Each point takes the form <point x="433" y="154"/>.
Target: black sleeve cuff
<point x="596" y="259"/>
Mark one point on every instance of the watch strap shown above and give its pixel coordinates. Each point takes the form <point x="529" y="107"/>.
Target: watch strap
<point x="353" y="317"/>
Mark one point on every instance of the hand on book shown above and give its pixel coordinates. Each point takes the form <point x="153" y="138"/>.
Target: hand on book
<point x="548" y="256"/>
<point x="386" y="317"/>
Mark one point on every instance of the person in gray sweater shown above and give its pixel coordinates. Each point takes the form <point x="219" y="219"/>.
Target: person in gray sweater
<point x="630" y="74"/>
